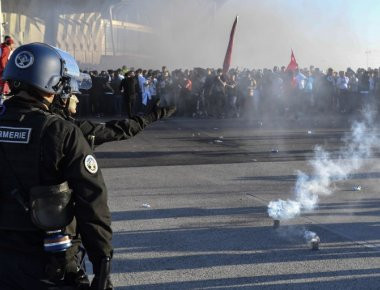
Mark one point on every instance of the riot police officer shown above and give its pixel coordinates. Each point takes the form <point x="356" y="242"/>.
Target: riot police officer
<point x="52" y="191"/>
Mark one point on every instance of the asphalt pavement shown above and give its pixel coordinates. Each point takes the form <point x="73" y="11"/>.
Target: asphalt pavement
<point x="189" y="207"/>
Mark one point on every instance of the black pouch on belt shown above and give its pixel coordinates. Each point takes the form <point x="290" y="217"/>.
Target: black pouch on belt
<point x="51" y="207"/>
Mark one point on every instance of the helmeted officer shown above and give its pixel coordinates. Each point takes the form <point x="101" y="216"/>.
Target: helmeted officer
<point x="51" y="189"/>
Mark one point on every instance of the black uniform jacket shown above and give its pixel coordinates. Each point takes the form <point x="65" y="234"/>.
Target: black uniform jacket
<point x="114" y="130"/>
<point x="65" y="155"/>
<point x="97" y="133"/>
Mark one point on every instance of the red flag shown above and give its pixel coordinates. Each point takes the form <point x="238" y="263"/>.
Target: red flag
<point x="293" y="65"/>
<point x="227" y="58"/>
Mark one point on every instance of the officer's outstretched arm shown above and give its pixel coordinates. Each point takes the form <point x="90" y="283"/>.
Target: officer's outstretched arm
<point x="117" y="130"/>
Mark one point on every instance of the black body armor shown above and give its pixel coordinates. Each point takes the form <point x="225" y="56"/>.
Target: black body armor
<point x="19" y="167"/>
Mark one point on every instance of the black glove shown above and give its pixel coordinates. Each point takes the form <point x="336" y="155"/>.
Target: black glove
<point x="102" y="279"/>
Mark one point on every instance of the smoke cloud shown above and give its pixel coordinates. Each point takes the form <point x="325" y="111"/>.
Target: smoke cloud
<point x="195" y="33"/>
<point x="357" y="147"/>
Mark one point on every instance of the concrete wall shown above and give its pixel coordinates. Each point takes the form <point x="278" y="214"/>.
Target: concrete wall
<point x="79" y="27"/>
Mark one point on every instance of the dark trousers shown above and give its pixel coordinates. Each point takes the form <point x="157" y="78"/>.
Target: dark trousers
<point x="218" y="101"/>
<point x="116" y="105"/>
<point x="129" y="106"/>
<point x="96" y="100"/>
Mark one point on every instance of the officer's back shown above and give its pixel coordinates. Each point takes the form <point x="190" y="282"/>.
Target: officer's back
<point x="52" y="192"/>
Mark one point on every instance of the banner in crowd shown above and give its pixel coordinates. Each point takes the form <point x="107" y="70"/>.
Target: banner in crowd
<point x="227" y="58"/>
<point x="293" y="65"/>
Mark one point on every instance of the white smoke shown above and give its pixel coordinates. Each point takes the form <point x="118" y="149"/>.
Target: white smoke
<point x="309" y="235"/>
<point x="312" y="239"/>
<point x="325" y="170"/>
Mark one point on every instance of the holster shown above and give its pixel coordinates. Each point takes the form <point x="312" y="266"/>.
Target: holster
<point x="51" y="207"/>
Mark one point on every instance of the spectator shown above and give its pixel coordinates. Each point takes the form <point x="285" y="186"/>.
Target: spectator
<point x="164" y="84"/>
<point x="330" y="90"/>
<point x="143" y="90"/>
<point x="117" y="99"/>
<point x="309" y="96"/>
<point x="128" y="86"/>
<point x="342" y="84"/>
<point x="218" y="95"/>
<point x="6" y="50"/>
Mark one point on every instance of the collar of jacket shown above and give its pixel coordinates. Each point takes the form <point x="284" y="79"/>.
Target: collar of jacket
<point x="25" y="100"/>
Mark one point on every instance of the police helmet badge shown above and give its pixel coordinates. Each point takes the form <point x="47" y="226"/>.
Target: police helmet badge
<point x="91" y="164"/>
<point x="24" y="59"/>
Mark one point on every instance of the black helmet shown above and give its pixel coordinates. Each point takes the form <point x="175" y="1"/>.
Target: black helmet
<point x="41" y="66"/>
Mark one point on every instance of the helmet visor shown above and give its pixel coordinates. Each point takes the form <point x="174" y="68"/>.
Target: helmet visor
<point x="83" y="82"/>
<point x="78" y="81"/>
<point x="71" y="68"/>
<point x="76" y="85"/>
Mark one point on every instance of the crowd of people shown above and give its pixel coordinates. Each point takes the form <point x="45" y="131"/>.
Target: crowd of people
<point x="248" y="94"/>
<point x="209" y="93"/>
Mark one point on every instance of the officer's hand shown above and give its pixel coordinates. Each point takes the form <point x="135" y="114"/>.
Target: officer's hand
<point x="95" y="284"/>
<point x="102" y="279"/>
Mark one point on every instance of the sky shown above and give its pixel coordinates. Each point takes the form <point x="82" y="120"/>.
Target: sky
<point x="337" y="32"/>
<point x="323" y="33"/>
